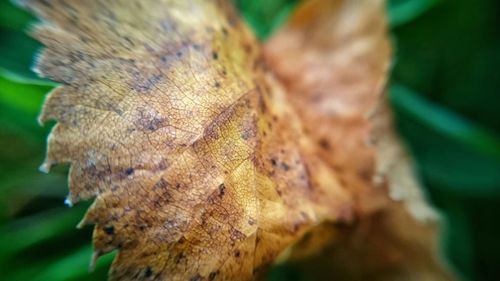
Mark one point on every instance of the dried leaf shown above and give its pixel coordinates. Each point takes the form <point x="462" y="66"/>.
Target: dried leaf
<point x="333" y="59"/>
<point x="202" y="165"/>
<point x="170" y="120"/>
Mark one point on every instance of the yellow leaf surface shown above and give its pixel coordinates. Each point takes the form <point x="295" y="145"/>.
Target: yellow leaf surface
<point x="170" y="120"/>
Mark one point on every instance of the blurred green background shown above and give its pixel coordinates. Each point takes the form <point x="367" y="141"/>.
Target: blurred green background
<point x="444" y="88"/>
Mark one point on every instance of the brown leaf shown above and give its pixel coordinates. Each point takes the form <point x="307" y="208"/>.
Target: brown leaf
<point x="333" y="58"/>
<point x="170" y="120"/>
<point x="202" y="165"/>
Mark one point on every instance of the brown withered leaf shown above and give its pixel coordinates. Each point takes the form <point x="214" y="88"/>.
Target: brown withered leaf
<point x="202" y="164"/>
<point x="333" y="58"/>
<point x="166" y="113"/>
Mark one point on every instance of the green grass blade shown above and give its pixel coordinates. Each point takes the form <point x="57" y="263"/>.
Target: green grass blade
<point x="404" y="11"/>
<point x="445" y="121"/>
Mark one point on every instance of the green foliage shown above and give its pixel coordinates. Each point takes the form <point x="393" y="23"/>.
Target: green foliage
<point x="404" y="11"/>
<point x="444" y="91"/>
<point x="451" y="122"/>
<point x="15" y="44"/>
<point x="265" y="16"/>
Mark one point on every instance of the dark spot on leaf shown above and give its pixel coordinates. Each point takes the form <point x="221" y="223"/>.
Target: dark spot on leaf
<point x="163" y="164"/>
<point x="168" y="26"/>
<point x="365" y="174"/>
<point x="143" y="84"/>
<point x="237" y="253"/>
<point x="197" y="277"/>
<point x="296" y="227"/>
<point x="285" y="166"/>
<point x="129" y="171"/>
<point x="178" y="258"/>
<point x="273" y="161"/>
<point x="222" y="189"/>
<point x="262" y="103"/>
<point x="247" y="47"/>
<point x="149" y="48"/>
<point x="324" y="144"/>
<point x="156" y="204"/>
<point x="217" y="84"/>
<point x="161" y="184"/>
<point x="215" y="55"/>
<point x="237" y="235"/>
<point x="46" y="3"/>
<point x="148" y="272"/>
<point x="245" y="135"/>
<point x="212" y="275"/>
<point x="150" y="121"/>
<point x="304" y="215"/>
<point x="338" y="168"/>
<point x="110" y="230"/>
<point x="129" y="41"/>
